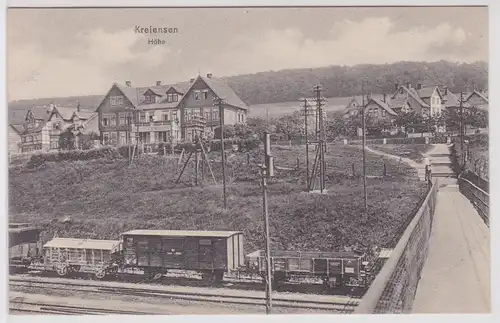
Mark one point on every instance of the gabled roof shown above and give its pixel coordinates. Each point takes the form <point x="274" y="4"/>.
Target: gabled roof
<point x="481" y="95"/>
<point x="181" y="87"/>
<point x="426" y="92"/>
<point x="40" y="112"/>
<point x="453" y="100"/>
<point x="397" y="103"/>
<point x="131" y="93"/>
<point x="383" y="105"/>
<point x="84" y="115"/>
<point x="65" y="112"/>
<point x="223" y="91"/>
<point x="19" y="128"/>
<point x="413" y="93"/>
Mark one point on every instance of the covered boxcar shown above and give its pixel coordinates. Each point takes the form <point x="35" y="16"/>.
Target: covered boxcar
<point x="335" y="268"/>
<point x="24" y="244"/>
<point x="212" y="253"/>
<point x="67" y="255"/>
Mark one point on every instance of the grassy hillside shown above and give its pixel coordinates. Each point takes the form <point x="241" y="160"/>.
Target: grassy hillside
<point x="105" y="197"/>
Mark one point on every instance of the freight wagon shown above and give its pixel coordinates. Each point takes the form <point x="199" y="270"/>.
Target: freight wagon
<point x="334" y="268"/>
<point x="67" y="255"/>
<point x="153" y="253"/>
<point x="24" y="245"/>
<point x="212" y="253"/>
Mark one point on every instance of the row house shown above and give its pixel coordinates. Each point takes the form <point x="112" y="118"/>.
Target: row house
<point x="43" y="126"/>
<point x="429" y="101"/>
<point x="166" y="113"/>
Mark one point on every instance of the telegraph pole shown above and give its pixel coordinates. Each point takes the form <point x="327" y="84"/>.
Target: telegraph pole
<point x="306" y="112"/>
<point x="218" y="102"/>
<point x="320" y="137"/>
<point x="364" y="145"/>
<point x="267" y="170"/>
<point x="462" y="127"/>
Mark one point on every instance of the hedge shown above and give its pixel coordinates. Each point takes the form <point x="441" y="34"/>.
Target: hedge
<point x="37" y="160"/>
<point x="214" y="145"/>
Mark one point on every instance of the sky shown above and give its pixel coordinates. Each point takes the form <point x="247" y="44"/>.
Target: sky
<point x="66" y="52"/>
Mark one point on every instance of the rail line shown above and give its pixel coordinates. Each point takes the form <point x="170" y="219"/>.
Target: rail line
<point x="343" y="306"/>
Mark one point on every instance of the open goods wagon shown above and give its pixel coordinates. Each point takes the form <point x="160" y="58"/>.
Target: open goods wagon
<point x="67" y="255"/>
<point x="334" y="268"/>
<point x="212" y="253"/>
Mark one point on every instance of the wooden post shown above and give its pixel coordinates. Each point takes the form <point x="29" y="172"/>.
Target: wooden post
<point x="298" y="163"/>
<point x="353" y="170"/>
<point x="248" y="158"/>
<point x="385" y="170"/>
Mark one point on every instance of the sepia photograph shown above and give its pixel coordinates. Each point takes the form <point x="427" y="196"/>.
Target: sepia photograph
<point x="248" y="160"/>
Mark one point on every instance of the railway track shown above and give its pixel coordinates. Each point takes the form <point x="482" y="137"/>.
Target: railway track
<point x="337" y="305"/>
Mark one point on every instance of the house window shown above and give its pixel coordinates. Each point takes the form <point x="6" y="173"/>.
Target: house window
<point x="175" y="97"/>
<point x="196" y="95"/>
<point x="144" y="137"/>
<point x="165" y="116"/>
<point x="151" y="118"/>
<point x="105" y="138"/>
<point x="383" y="113"/>
<point x="142" y="117"/>
<point x="207" y="115"/>
<point x="196" y="112"/>
<point x="116" y="100"/>
<point x="205" y="94"/>
<point x="112" y="120"/>
<point x="162" y="136"/>
<point x="215" y="115"/>
<point x="170" y="97"/>
<point x="123" y="118"/>
<point x="174" y="115"/>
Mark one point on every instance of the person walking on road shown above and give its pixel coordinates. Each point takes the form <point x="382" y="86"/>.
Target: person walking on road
<point x="428" y="172"/>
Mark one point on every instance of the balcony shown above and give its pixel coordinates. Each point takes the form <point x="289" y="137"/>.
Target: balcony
<point x="195" y="121"/>
<point x="164" y="125"/>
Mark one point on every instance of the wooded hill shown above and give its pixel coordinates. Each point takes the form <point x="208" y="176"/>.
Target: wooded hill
<point x="337" y="81"/>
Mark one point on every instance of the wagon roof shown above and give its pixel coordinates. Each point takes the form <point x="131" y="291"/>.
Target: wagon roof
<point x="182" y="233"/>
<point x="82" y="243"/>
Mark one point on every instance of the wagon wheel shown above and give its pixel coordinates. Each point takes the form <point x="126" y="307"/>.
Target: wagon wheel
<point x="100" y="274"/>
<point x="62" y="270"/>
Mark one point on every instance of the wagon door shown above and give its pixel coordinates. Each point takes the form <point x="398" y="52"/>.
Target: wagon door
<point x="206" y="254"/>
<point x="174" y="253"/>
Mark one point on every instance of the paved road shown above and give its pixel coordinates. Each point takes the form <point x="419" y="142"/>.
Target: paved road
<point x="456" y="275"/>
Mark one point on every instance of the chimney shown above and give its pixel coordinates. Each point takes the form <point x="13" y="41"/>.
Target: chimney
<point x="419" y="86"/>
<point x="128" y="83"/>
<point x="396" y="87"/>
<point x="209" y="75"/>
<point x="191" y="81"/>
<point x="384" y="99"/>
<point x="445" y="90"/>
<point x="158" y="83"/>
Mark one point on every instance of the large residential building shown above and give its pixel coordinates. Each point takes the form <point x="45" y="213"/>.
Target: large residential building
<point x="43" y="126"/>
<point x="166" y="113"/>
<point x="14" y="137"/>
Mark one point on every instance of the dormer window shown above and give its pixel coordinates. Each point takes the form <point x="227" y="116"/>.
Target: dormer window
<point x="150" y="99"/>
<point x="205" y="94"/>
<point x="175" y="97"/>
<point x="196" y="95"/>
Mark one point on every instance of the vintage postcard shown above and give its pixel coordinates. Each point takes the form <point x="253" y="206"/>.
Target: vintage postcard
<point x="248" y="160"/>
